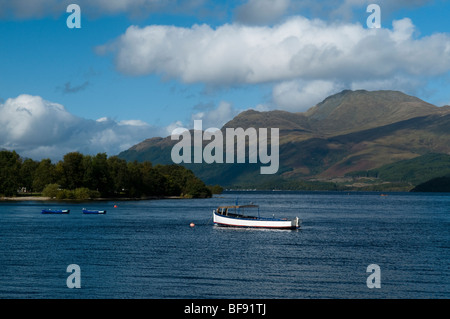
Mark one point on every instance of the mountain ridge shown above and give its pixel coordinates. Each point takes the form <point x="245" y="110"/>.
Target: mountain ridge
<point x="346" y="132"/>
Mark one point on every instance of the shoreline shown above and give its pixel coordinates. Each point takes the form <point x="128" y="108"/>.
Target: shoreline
<point x="49" y="199"/>
<point x="25" y="198"/>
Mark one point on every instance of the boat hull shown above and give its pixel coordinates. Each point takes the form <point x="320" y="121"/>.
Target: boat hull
<point x="95" y="212"/>
<point x="49" y="211"/>
<point x="253" y="222"/>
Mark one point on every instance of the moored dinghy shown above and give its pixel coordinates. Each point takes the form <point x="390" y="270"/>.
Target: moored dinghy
<point x="87" y="211"/>
<point x="234" y="216"/>
<point x="55" y="211"/>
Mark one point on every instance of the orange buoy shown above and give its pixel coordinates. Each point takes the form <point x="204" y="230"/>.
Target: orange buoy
<point x="192" y="224"/>
<point x="115" y="206"/>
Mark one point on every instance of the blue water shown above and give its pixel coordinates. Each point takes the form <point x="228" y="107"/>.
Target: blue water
<point x="146" y="249"/>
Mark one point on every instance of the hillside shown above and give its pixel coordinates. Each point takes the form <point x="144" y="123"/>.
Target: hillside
<point x="414" y="171"/>
<point x="351" y="111"/>
<point x="348" y="132"/>
<point x="435" y="185"/>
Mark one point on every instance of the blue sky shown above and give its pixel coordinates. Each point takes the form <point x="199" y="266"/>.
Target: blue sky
<point x="138" y="69"/>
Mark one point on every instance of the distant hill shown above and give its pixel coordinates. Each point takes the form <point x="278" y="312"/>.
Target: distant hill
<point x="437" y="185"/>
<point x="351" y="111"/>
<point x="352" y="131"/>
<point x="414" y="171"/>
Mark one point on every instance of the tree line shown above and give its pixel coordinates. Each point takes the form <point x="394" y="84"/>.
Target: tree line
<point x="79" y="176"/>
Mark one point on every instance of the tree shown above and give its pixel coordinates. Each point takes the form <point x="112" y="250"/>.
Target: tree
<point x="100" y="174"/>
<point x="82" y="193"/>
<point x="185" y="180"/>
<point x="119" y="178"/>
<point x="80" y="176"/>
<point x="195" y="188"/>
<point x="154" y="183"/>
<point x="10" y="164"/>
<point x="27" y="172"/>
<point x="72" y="170"/>
<point x="43" y="175"/>
<point x="135" y="183"/>
<point x="216" y="189"/>
<point x="172" y="188"/>
<point x="51" y="190"/>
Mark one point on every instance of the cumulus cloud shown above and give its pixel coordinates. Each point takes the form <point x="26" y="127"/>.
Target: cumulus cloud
<point x="172" y="127"/>
<point x="38" y="129"/>
<point x="212" y="117"/>
<point x="216" y="117"/>
<point x="299" y="48"/>
<point x="299" y="96"/>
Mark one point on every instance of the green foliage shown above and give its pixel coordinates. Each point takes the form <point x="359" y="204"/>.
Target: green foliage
<point x="65" y="194"/>
<point x="182" y="182"/>
<point x="291" y="185"/>
<point x="10" y="164"/>
<point x="415" y="171"/>
<point x="82" y="193"/>
<point x="73" y="170"/>
<point x="44" y="174"/>
<point x="27" y="170"/>
<point x="215" y="189"/>
<point x="439" y="184"/>
<point x="51" y="190"/>
<point x="81" y="177"/>
<point x="195" y="188"/>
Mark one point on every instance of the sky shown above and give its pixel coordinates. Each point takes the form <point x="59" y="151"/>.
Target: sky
<point x="137" y="69"/>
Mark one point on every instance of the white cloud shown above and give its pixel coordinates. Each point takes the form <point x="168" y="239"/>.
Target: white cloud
<point x="261" y="11"/>
<point x="133" y="123"/>
<point x="299" y="96"/>
<point x="102" y="119"/>
<point x="38" y="129"/>
<point x="405" y="84"/>
<point x="212" y="117"/>
<point x="296" y="49"/>
<point x="28" y="120"/>
<point x="216" y="117"/>
<point x="177" y="125"/>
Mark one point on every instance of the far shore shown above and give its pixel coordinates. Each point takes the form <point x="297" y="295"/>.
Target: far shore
<point x="41" y="198"/>
<point x="25" y="198"/>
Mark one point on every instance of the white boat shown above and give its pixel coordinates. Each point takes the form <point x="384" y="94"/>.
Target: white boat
<point x="235" y="216"/>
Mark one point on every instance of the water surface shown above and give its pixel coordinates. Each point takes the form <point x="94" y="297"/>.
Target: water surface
<point x="146" y="249"/>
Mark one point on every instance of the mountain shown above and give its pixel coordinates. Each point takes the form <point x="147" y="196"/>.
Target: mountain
<point x="417" y="170"/>
<point x="351" y="111"/>
<point x="435" y="185"/>
<point x="348" y="132"/>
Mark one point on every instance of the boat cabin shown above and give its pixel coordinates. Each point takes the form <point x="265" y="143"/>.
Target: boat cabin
<point x="236" y="210"/>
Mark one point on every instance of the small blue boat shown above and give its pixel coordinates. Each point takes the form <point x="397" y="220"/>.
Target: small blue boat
<point x="55" y="211"/>
<point x="87" y="211"/>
